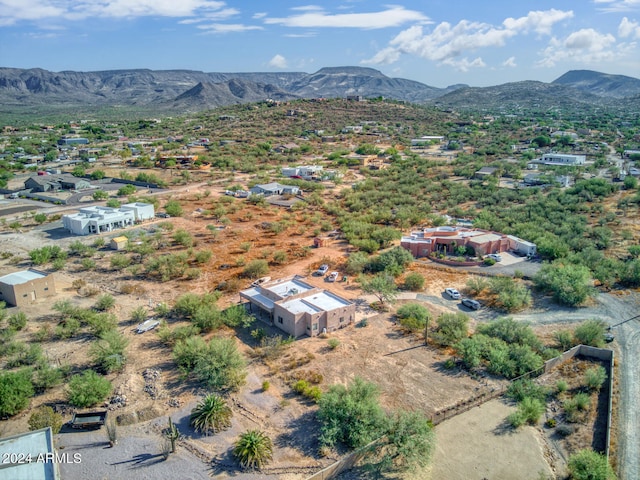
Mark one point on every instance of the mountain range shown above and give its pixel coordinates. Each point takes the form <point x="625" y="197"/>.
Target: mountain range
<point x="189" y="90"/>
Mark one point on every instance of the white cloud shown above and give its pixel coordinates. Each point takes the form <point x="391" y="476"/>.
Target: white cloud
<point x="278" y="61"/>
<point x="617" y="5"/>
<point x="510" y="62"/>
<point x="586" y="46"/>
<point x="212" y="16"/>
<point x="259" y="15"/>
<point x="14" y="11"/>
<point x="629" y="28"/>
<point x="537" y="21"/>
<point x="316" y="17"/>
<point x="449" y="44"/>
<point x="228" y="27"/>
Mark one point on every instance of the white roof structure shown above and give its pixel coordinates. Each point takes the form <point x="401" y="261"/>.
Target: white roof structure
<point x="35" y="445"/>
<point x="24" y="276"/>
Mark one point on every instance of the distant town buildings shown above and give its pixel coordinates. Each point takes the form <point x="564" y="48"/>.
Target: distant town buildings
<point x="562" y="159"/>
<point x="268" y="189"/>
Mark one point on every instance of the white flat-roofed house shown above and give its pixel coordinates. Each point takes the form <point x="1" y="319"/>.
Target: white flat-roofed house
<point x="97" y="219"/>
<point x="562" y="159"/>
<point x="25" y="287"/>
<point x="300" y="309"/>
<point x="141" y="211"/>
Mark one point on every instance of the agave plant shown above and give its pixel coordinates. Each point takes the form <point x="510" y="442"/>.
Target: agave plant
<point x="212" y="414"/>
<point x="253" y="449"/>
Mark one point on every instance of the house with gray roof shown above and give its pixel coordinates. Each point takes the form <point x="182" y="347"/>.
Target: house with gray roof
<point x="299" y="308"/>
<point x="274" y="188"/>
<point x="26" y="287"/>
<point x="54" y="183"/>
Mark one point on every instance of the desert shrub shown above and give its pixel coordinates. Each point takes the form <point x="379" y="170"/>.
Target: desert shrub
<point x="173" y="208"/>
<point x="509" y="294"/>
<point x="189" y="304"/>
<point x="523" y="388"/>
<point x="44" y="417"/>
<point x="105" y="302"/>
<point x="561" y="386"/>
<point x="218" y="364"/>
<point x="88" y="389"/>
<point x="184" y="238"/>
<point x="511" y="331"/>
<point x="413" y="316"/>
<point x="564" y="339"/>
<point x="595" y="377"/>
<point x="27" y="355"/>
<point x="45" y="376"/>
<point x="280" y="257"/>
<point x="590" y="332"/>
<point x="253" y="449"/>
<point x="16" y="389"/>
<point x="17" y="321"/>
<point x="351" y="415"/>
<point x="589" y="465"/>
<point x="109" y="351"/>
<point x="414" y="282"/>
<point x="569" y="284"/>
<point x="67" y="328"/>
<point x="212" y="414"/>
<point x="529" y="411"/>
<point x="203" y="256"/>
<point x="236" y="316"/>
<point x="333" y="343"/>
<point x="120" y="261"/>
<point x="356" y="263"/>
<point x="451" y="328"/>
<point x="101" y="323"/>
<point x="256" y="269"/>
<point x="139" y="314"/>
<point x="565" y="430"/>
<point x="476" y="285"/>
<point x="266" y="385"/>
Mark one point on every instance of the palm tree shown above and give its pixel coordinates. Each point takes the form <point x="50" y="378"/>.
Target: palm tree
<point x="253" y="449"/>
<point x="211" y="414"/>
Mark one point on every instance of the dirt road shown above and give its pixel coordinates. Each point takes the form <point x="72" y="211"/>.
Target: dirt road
<point x="612" y="309"/>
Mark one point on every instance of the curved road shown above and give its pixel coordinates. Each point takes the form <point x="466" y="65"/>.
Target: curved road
<point x="613" y="309"/>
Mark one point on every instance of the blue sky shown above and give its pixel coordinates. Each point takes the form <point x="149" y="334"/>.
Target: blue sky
<point x="436" y="42"/>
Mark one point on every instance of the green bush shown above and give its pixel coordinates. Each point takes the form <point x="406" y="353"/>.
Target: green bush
<point x="253" y="449"/>
<point x="414" y="282"/>
<point x="16" y="389"/>
<point x="173" y="208"/>
<point x="18" y="321"/>
<point x="595" y="377"/>
<point x="568" y="283"/>
<point x="451" y="328"/>
<point x="333" y="343"/>
<point x="561" y="386"/>
<point x="529" y="411"/>
<point x="591" y="332"/>
<point x="413" y="316"/>
<point x="589" y="465"/>
<point x="109" y="351"/>
<point x="88" y="389"/>
<point x="105" y="302"/>
<point x="44" y="417"/>
<point x="520" y="389"/>
<point x="256" y="269"/>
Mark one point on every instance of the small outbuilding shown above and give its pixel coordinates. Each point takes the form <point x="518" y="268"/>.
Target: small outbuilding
<point x="25" y="287"/>
<point x="119" y="243"/>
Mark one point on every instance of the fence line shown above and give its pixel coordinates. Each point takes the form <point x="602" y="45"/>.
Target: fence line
<point x="349" y="461"/>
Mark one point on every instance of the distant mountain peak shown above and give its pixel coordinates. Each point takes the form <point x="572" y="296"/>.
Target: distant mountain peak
<point x="603" y="84"/>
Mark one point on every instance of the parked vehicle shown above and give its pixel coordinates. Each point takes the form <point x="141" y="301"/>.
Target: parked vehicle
<point x="323" y="269"/>
<point x="495" y="256"/>
<point x="260" y="281"/>
<point x="162" y="215"/>
<point x="333" y="276"/>
<point x="147" y="325"/>
<point x="452" y="293"/>
<point x="89" y="420"/>
<point x="471" y="303"/>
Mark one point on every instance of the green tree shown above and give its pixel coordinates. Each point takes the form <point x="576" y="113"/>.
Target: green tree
<point x="253" y="449"/>
<point x="589" y="465"/>
<point x="408" y="443"/>
<point x="44" y="417"/>
<point x="414" y="317"/>
<point x="351" y="415"/>
<point x="16" y="389"/>
<point x="88" y="389"/>
<point x="126" y="190"/>
<point x="173" y="208"/>
<point x="451" y="328"/>
<point x="98" y="175"/>
<point x="414" y="282"/>
<point x="100" y="195"/>
<point x="568" y="284"/>
<point x="256" y="269"/>
<point x="212" y="414"/>
<point x="590" y="332"/>
<point x="357" y="262"/>
<point x="381" y="285"/>
<point x="184" y="238"/>
<point x="40" y="218"/>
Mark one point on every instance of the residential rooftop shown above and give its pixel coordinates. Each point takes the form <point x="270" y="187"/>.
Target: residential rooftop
<point x="24" y="276"/>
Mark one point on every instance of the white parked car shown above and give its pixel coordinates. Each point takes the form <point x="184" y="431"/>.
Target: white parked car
<point x="495" y="256"/>
<point x="323" y="269"/>
<point x="452" y="293"/>
<point x="333" y="276"/>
